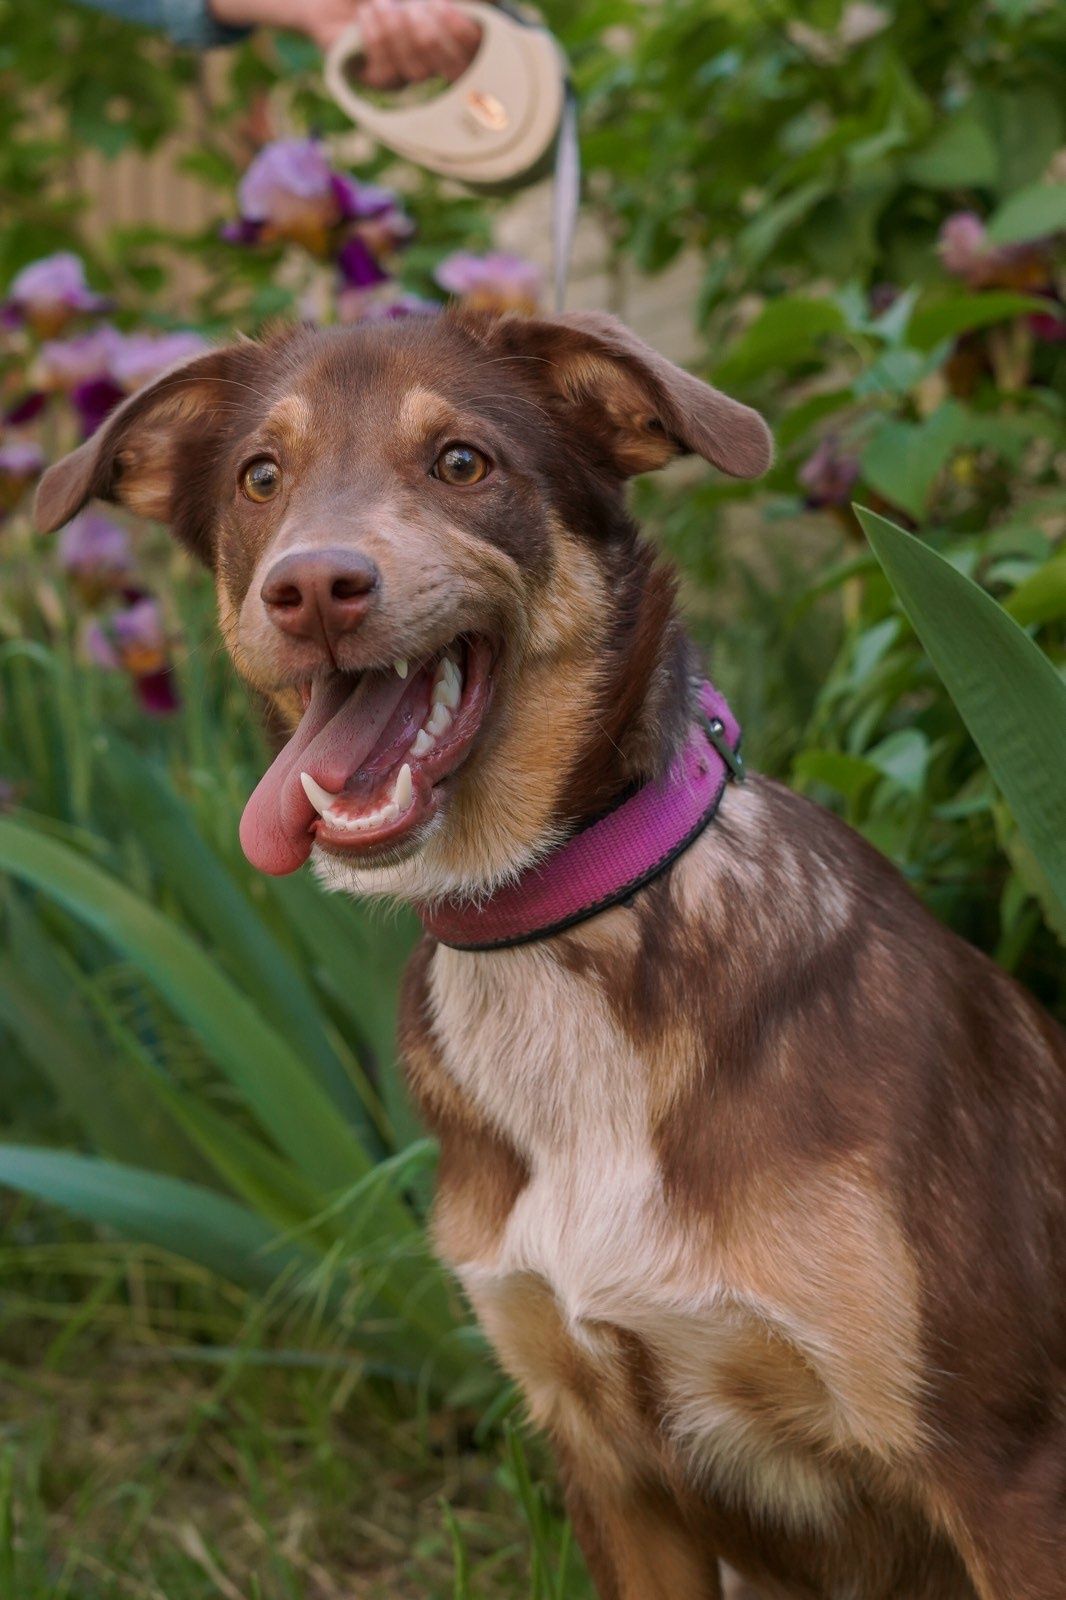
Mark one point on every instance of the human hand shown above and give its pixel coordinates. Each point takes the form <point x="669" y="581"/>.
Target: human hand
<point x="405" y="41"/>
<point x="408" y="41"/>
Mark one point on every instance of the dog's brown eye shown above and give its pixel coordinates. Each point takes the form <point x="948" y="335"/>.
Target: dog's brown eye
<point x="460" y="464"/>
<point x="261" y="480"/>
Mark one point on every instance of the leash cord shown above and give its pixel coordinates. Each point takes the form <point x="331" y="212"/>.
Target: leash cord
<point x="566" y="195"/>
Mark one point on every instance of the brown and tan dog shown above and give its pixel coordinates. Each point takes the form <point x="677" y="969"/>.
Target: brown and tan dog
<point x="756" y="1181"/>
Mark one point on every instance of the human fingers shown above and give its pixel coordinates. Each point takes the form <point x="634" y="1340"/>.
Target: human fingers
<point x="381" y="68"/>
<point x="397" y="35"/>
<point x="456" y="36"/>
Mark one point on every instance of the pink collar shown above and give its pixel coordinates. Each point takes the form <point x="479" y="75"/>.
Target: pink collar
<point x="607" y="861"/>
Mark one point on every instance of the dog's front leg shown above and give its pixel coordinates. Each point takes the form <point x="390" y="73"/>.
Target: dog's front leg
<point x="635" y="1539"/>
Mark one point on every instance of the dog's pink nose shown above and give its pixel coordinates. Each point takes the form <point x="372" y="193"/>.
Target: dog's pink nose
<point x="320" y="594"/>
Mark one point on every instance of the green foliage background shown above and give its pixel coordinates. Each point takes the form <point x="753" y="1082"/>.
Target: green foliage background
<point x="201" y="1059"/>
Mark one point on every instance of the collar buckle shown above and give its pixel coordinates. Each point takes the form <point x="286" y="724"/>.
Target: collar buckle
<point x="714" y="728"/>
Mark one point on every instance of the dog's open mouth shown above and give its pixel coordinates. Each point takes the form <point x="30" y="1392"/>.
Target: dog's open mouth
<point x="368" y="763"/>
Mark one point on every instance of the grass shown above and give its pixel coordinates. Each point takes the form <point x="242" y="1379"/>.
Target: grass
<point x="160" y="1443"/>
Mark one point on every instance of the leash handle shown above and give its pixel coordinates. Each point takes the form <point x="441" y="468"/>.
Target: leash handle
<point x="509" y="117"/>
<point x="493" y="126"/>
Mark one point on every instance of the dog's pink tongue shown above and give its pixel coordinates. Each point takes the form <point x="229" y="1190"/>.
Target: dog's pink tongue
<point x="336" y="734"/>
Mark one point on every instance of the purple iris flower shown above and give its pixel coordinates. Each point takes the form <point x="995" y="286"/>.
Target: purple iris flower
<point x="288" y="193"/>
<point x="358" y="265"/>
<point x="49" y="292"/>
<point x="241" y="232"/>
<point x="21" y="461"/>
<point x="291" y="192"/>
<point x="358" y="201"/>
<point x="82" y="367"/>
<point x="494" y="282"/>
<point x="158" y="692"/>
<point x="98" y="647"/>
<point x="139" y="633"/>
<point x="95" y="552"/>
<point x="21" y="458"/>
<point x="27" y="408"/>
<point x="393" y="307"/>
<point x="64" y="363"/>
<point x="134" y="640"/>
<point x="382" y="305"/>
<point x="829" y="474"/>
<point x="382" y="221"/>
<point x="284" y="171"/>
<point x="99" y="368"/>
<point x="94" y="400"/>
<point x="143" y="356"/>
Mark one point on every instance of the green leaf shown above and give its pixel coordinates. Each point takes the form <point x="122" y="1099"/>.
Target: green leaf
<point x="774" y="219"/>
<point x="946" y="318"/>
<point x="1006" y="690"/>
<point x="961" y="154"/>
<point x="266" y="1181"/>
<point x="1028" y="126"/>
<point x="1032" y="213"/>
<point x="40" y="1005"/>
<point x="204" y="1227"/>
<point x="903" y="459"/>
<point x="785" y="331"/>
<point x="212" y="902"/>
<point x="1042" y="597"/>
<point x="358" y="954"/>
<point x="849" y="775"/>
<point x="276" y="1085"/>
<point x="902" y="756"/>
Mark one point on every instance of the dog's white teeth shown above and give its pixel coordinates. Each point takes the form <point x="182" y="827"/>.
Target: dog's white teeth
<point x="366" y="823"/>
<point x="447" y="683"/>
<point x="320" y="798"/>
<point x="447" y="691"/>
<point x="439" y="719"/>
<point x="400" y="666"/>
<point x="404" y="792"/>
<point x="423" y="744"/>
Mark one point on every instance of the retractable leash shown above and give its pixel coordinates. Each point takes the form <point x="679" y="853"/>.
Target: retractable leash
<point x="495" y="127"/>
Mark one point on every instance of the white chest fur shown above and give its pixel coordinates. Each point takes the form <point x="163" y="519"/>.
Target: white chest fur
<point x="781" y="1344"/>
<point x="537" y="1051"/>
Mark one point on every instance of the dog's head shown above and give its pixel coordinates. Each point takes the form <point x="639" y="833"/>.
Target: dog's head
<point x="422" y="557"/>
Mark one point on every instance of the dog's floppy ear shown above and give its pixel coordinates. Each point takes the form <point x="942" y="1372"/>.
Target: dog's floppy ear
<point x="641" y="407"/>
<point x="154" y="453"/>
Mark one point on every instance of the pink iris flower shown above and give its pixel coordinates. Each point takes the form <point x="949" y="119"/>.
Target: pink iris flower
<point x="967" y="253"/>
